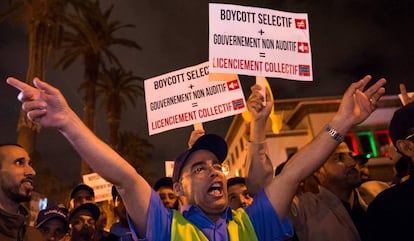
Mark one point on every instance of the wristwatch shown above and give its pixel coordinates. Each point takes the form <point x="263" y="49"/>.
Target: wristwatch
<point x="334" y="133"/>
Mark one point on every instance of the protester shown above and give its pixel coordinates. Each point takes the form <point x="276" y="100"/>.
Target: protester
<point x="198" y="177"/>
<point x="391" y="211"/>
<point x="361" y="161"/>
<point x="334" y="209"/>
<point x="16" y="182"/>
<point x="238" y="195"/>
<point x="403" y="170"/>
<point x="81" y="194"/>
<point x="84" y="220"/>
<point x="53" y="223"/>
<point x="164" y="188"/>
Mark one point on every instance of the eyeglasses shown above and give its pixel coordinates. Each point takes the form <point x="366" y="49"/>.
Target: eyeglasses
<point x="201" y="167"/>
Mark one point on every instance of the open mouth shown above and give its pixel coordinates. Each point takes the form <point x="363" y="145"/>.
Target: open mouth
<point x="28" y="182"/>
<point x="216" y="189"/>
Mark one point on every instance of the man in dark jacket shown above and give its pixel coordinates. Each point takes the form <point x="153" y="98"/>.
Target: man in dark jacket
<point x="16" y="186"/>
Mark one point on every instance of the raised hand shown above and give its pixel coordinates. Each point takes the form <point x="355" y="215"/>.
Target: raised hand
<point x="405" y="98"/>
<point x="255" y="105"/>
<point x="357" y="104"/>
<point x="195" y="134"/>
<point x="44" y="104"/>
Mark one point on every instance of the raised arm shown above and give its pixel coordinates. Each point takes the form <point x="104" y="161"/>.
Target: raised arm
<point x="355" y="107"/>
<point x="45" y="105"/>
<point x="260" y="168"/>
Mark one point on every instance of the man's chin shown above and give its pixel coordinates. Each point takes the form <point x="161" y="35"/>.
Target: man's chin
<point x="23" y="197"/>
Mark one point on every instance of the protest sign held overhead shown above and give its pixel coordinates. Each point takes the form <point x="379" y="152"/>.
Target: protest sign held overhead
<point x="185" y="97"/>
<point x="259" y="42"/>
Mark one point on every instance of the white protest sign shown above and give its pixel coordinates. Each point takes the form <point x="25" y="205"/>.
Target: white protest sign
<point x="259" y="42"/>
<point x="185" y="97"/>
<point x="101" y="187"/>
<point x="169" y="168"/>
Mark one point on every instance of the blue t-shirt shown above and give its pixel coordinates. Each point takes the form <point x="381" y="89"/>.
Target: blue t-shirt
<point x="123" y="233"/>
<point x="261" y="213"/>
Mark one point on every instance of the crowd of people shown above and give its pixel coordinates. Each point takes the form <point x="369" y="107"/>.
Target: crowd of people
<point x="322" y="192"/>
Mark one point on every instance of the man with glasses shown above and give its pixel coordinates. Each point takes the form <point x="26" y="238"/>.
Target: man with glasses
<point x="332" y="211"/>
<point x="391" y="213"/>
<point x="198" y="177"/>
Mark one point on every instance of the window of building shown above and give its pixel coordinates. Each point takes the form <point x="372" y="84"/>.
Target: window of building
<point x="290" y="151"/>
<point x="241" y="144"/>
<point x="367" y="143"/>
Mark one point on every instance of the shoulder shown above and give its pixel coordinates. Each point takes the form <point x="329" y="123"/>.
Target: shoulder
<point x="33" y="234"/>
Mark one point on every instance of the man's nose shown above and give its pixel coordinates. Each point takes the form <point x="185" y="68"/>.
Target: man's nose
<point x="29" y="170"/>
<point x="350" y="162"/>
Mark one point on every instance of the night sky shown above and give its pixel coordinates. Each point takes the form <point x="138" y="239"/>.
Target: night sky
<point x="349" y="39"/>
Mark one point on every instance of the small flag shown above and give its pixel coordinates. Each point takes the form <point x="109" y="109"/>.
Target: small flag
<point x="304" y="70"/>
<point x="300" y="23"/>
<point x="303" y="47"/>
<point x="238" y="104"/>
<point x="233" y="85"/>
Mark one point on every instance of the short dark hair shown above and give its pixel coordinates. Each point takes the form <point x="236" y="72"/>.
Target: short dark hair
<point x="236" y="180"/>
<point x="79" y="187"/>
<point x="10" y="144"/>
<point x="163" y="182"/>
<point x="361" y="158"/>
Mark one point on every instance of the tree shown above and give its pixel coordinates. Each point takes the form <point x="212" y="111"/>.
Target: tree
<point x="117" y="87"/>
<point x="43" y="21"/>
<point x="89" y="34"/>
<point x="136" y="151"/>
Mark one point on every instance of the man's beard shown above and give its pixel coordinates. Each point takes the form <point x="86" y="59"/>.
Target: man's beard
<point x="83" y="234"/>
<point x="13" y="194"/>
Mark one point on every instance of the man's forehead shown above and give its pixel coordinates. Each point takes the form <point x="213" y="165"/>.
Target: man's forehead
<point x="12" y="152"/>
<point x="237" y="186"/>
<point x="200" y="156"/>
<point x="165" y="189"/>
<point x="84" y="214"/>
<point x="83" y="193"/>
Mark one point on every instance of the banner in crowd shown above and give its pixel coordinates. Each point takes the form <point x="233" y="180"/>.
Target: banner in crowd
<point x="259" y="42"/>
<point x="185" y="97"/>
<point x="101" y="187"/>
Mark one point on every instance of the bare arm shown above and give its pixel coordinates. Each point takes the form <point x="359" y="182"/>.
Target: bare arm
<point x="356" y="106"/>
<point x="46" y="106"/>
<point x="260" y="173"/>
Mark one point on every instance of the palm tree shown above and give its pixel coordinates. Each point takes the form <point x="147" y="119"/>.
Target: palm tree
<point x="117" y="87"/>
<point x="43" y="21"/>
<point x="89" y="34"/>
<point x="136" y="151"/>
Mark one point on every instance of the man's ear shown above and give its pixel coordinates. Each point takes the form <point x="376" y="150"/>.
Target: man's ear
<point x="320" y="174"/>
<point x="178" y="189"/>
<point x="405" y="147"/>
